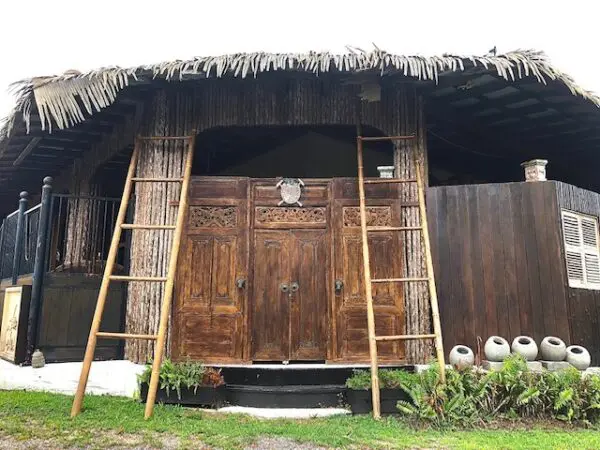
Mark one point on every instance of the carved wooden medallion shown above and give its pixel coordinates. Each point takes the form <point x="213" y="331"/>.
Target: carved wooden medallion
<point x="291" y="190"/>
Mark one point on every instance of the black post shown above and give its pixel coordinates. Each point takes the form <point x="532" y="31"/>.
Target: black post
<point x="39" y="268"/>
<point x="19" y="237"/>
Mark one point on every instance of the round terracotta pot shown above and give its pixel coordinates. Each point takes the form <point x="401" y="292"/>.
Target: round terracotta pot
<point x="526" y="347"/>
<point x="461" y="357"/>
<point x="553" y="349"/>
<point x="496" y="349"/>
<point x="578" y="357"/>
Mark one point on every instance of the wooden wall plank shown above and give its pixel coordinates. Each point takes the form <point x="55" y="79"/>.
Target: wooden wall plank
<point x="500" y="265"/>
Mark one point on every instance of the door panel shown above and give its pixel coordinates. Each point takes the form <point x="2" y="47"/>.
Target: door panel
<point x="208" y="316"/>
<point x="385" y="250"/>
<point x="309" y="303"/>
<point x="270" y="305"/>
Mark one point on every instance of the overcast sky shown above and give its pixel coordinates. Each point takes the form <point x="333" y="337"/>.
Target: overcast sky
<point x="51" y="36"/>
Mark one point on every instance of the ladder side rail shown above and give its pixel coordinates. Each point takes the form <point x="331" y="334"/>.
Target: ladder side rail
<point x="368" y="286"/>
<point x="433" y="300"/>
<point x="102" y="295"/>
<point x="168" y="289"/>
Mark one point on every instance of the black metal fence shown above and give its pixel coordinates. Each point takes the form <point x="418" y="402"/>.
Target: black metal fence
<point x="78" y="236"/>
<point x="81" y="229"/>
<point x="8" y="235"/>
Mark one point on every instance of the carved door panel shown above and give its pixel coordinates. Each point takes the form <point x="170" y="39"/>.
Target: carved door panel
<point x="271" y="296"/>
<point x="385" y="249"/>
<point x="308" y="314"/>
<point x="213" y="268"/>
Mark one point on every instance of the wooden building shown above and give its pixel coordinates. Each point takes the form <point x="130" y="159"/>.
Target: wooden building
<point x="260" y="281"/>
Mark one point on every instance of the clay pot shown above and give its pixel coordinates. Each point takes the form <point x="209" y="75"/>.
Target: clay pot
<point x="461" y="357"/>
<point x="526" y="347"/>
<point x="496" y="349"/>
<point x="553" y="349"/>
<point x="37" y="360"/>
<point x="578" y="357"/>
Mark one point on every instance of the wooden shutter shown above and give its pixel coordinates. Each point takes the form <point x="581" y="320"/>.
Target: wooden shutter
<point x="581" y="250"/>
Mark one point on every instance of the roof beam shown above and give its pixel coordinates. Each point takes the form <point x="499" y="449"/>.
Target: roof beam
<point x="27" y="150"/>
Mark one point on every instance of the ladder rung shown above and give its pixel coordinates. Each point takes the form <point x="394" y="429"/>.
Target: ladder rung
<point x="385" y="138"/>
<point x="405" y="337"/>
<point x="157" y="180"/>
<point x="394" y="228"/>
<point x="135" y="226"/>
<point x="103" y="334"/>
<point x="390" y="180"/>
<point x="398" y="280"/>
<point x="164" y="138"/>
<point x="131" y="278"/>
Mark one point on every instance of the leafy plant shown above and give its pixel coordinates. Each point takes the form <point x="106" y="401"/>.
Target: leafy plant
<point x="388" y="379"/>
<point x="471" y="396"/>
<point x="186" y="374"/>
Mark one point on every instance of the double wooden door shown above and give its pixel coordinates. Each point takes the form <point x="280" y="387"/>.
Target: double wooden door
<point x="289" y="295"/>
<point x="260" y="281"/>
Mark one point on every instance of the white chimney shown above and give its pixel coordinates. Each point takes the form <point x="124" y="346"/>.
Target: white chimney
<point x="535" y="169"/>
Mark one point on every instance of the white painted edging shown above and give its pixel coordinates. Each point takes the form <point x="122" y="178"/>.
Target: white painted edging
<point x="284" y="413"/>
<point x="118" y="378"/>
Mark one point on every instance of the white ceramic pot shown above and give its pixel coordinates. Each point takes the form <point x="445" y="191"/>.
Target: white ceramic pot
<point x="553" y="349"/>
<point x="578" y="357"/>
<point x="526" y="347"/>
<point x="461" y="357"/>
<point x="496" y="349"/>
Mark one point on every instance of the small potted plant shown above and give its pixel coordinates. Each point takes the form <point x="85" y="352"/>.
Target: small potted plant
<point x="359" y="397"/>
<point x="186" y="383"/>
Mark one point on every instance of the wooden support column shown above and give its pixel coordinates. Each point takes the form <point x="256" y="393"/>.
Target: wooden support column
<point x="171" y="115"/>
<point x="418" y="313"/>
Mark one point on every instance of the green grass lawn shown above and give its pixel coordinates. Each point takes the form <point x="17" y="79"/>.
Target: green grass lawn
<point x="112" y="422"/>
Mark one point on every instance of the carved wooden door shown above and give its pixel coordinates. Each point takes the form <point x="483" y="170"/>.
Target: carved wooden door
<point x="289" y="295"/>
<point x="270" y="296"/>
<point x="209" y="318"/>
<point x="385" y="249"/>
<point x="308" y="296"/>
<point x="291" y="265"/>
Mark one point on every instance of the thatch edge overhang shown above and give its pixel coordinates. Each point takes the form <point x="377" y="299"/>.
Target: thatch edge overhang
<point x="63" y="101"/>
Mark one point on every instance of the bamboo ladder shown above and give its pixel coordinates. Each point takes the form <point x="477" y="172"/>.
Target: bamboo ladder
<point x="160" y="338"/>
<point x="428" y="278"/>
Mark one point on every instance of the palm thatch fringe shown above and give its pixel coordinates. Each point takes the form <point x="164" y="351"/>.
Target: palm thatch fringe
<point x="63" y="100"/>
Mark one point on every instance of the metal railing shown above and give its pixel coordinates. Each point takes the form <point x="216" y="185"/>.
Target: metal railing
<point x="8" y="236"/>
<point x="78" y="234"/>
<point x="81" y="229"/>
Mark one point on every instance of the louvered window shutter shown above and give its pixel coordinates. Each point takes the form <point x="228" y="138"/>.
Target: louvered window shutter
<point x="581" y="250"/>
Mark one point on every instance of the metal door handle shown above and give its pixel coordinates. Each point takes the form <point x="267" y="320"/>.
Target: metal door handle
<point x="284" y="287"/>
<point x="339" y="284"/>
<point x="241" y="283"/>
<point x="295" y="286"/>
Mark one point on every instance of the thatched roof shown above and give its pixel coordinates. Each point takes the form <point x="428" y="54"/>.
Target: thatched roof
<point x="65" y="100"/>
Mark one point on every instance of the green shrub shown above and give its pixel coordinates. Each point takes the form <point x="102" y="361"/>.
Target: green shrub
<point x="472" y="396"/>
<point x="388" y="379"/>
<point x="187" y="374"/>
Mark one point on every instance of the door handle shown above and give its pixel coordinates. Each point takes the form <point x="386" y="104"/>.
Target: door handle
<point x="294" y="286"/>
<point x="339" y="284"/>
<point x="241" y="283"/>
<point x="284" y="287"/>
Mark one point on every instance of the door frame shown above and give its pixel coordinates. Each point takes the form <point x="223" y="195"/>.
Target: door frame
<point x="263" y="194"/>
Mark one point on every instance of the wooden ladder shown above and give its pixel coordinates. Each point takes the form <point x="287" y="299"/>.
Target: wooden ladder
<point x="428" y="278"/>
<point x="160" y="338"/>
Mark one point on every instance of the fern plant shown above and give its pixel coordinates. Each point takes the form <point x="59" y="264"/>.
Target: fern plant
<point x="186" y="374"/>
